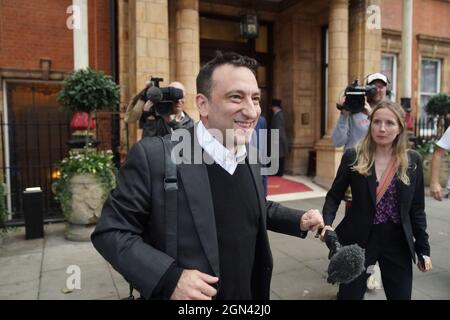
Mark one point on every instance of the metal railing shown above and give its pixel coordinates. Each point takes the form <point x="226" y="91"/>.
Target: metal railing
<point x="429" y="129"/>
<point x="32" y="150"/>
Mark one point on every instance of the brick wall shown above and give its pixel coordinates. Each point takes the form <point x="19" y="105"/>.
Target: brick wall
<point x="431" y="17"/>
<point x="34" y="29"/>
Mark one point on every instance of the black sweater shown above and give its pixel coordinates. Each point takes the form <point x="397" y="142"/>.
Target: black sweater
<point x="237" y="216"/>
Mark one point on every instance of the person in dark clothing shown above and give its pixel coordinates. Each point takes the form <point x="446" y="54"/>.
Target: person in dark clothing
<point x="259" y="140"/>
<point x="156" y="125"/>
<point x="279" y="123"/>
<point x="387" y="215"/>
<point x="222" y="243"/>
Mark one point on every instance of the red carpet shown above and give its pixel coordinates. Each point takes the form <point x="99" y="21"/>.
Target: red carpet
<point x="278" y="185"/>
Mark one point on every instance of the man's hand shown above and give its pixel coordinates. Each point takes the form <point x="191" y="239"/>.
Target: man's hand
<point x="311" y="220"/>
<point x="367" y="108"/>
<point x="436" y="190"/>
<point x="341" y="102"/>
<point x="148" y="105"/>
<point x="194" y="285"/>
<point x="425" y="264"/>
<point x="435" y="187"/>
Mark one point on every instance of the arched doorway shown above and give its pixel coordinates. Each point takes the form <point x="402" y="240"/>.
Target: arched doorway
<point x="222" y="33"/>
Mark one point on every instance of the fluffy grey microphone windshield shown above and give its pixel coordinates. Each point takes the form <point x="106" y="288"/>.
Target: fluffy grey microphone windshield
<point x="346" y="264"/>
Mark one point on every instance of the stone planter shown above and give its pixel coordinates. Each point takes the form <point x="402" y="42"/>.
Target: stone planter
<point x="443" y="171"/>
<point x="88" y="197"/>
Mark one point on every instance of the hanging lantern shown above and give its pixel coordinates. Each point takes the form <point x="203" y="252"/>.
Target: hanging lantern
<point x="249" y="25"/>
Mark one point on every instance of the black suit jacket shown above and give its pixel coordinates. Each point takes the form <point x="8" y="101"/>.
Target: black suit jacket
<point x="278" y="122"/>
<point x="131" y="231"/>
<point x="357" y="223"/>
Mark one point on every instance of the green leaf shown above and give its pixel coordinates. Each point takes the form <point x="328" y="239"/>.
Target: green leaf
<point x="88" y="90"/>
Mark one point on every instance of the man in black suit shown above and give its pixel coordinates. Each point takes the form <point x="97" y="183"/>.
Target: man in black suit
<point x="222" y="246"/>
<point x="279" y="123"/>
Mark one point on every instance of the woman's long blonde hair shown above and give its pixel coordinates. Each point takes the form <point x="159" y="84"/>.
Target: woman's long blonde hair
<point x="365" y="149"/>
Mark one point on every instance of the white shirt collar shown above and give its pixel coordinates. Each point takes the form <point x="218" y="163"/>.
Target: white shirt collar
<point x="221" y="155"/>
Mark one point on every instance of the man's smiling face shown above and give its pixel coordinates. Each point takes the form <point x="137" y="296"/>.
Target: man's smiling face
<point x="233" y="106"/>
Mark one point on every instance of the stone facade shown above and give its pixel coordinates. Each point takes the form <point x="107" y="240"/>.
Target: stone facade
<point x="162" y="38"/>
<point x="153" y="44"/>
<point x="364" y="41"/>
<point x="297" y="80"/>
<point x="355" y="50"/>
<point x="328" y="157"/>
<point x="143" y="52"/>
<point x="187" y="49"/>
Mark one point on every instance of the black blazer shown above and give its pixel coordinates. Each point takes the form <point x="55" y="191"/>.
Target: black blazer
<point x="357" y="223"/>
<point x="131" y="231"/>
<point x="278" y="122"/>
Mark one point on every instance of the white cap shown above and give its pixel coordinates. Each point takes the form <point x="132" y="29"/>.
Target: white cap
<point x="377" y="76"/>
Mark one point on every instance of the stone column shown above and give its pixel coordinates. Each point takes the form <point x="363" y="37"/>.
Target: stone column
<point x="143" y="50"/>
<point x="328" y="157"/>
<point x="364" y="38"/>
<point x="188" y="50"/>
<point x="151" y="47"/>
<point x="301" y="112"/>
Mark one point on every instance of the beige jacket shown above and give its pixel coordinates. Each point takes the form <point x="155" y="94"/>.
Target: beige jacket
<point x="134" y="109"/>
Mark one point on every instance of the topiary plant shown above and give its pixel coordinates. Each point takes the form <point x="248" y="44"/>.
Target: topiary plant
<point x="439" y="105"/>
<point x="88" y="90"/>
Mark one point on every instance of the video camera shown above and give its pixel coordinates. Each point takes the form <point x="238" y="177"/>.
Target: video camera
<point x="354" y="96"/>
<point x="163" y="99"/>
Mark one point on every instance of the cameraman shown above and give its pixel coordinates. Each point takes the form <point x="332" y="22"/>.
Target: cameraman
<point x="154" y="124"/>
<point x="351" y="127"/>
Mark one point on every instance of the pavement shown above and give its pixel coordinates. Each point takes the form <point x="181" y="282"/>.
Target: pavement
<point x="45" y="269"/>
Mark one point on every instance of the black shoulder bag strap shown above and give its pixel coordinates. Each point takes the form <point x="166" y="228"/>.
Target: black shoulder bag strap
<point x="170" y="203"/>
<point x="170" y="199"/>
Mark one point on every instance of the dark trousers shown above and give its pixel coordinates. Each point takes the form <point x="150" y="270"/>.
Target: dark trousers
<point x="387" y="245"/>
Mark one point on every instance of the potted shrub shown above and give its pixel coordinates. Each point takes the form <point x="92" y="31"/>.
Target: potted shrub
<point x="88" y="90"/>
<point x="86" y="176"/>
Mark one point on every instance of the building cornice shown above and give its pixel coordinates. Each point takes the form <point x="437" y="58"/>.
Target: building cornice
<point x="32" y="74"/>
<point x="433" y="39"/>
<point x="391" y="33"/>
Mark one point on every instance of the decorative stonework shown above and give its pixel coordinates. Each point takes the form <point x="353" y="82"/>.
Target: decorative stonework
<point x="88" y="197"/>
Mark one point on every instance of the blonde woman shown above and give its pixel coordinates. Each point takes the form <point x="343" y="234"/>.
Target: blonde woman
<point x="387" y="215"/>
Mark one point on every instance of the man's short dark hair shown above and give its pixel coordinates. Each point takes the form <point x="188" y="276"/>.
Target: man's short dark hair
<point x="204" y="78"/>
<point x="276" y="103"/>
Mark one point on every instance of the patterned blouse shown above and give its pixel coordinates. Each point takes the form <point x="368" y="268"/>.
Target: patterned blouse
<point x="388" y="209"/>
